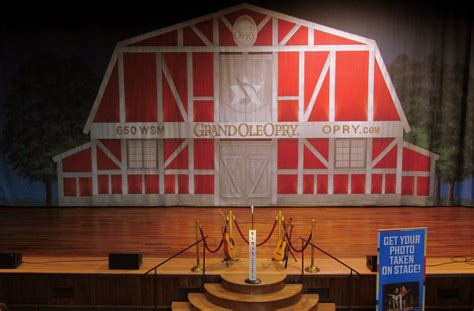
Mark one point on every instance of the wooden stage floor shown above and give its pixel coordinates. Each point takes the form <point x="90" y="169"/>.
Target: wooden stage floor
<point x="65" y="251"/>
<point x="160" y="232"/>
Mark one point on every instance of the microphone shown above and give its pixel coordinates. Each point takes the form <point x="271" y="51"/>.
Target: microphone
<point x="251" y="208"/>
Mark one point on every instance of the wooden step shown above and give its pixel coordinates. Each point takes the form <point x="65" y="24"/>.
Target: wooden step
<point x="220" y="296"/>
<point x="326" y="306"/>
<point x="270" y="283"/>
<point x="180" y="306"/>
<point x="199" y="301"/>
<point x="307" y="302"/>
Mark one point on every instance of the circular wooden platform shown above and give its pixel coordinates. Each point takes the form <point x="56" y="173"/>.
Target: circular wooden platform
<point x="218" y="295"/>
<point x="270" y="283"/>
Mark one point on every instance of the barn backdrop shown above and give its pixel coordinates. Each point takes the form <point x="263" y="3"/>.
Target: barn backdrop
<point x="252" y="106"/>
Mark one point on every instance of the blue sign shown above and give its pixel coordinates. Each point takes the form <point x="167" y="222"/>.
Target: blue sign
<point x="401" y="269"/>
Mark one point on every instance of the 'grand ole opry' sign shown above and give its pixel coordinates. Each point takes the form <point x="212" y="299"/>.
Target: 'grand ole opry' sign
<point x="246" y="106"/>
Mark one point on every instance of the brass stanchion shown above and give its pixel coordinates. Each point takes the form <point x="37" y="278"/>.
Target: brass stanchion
<point x="312" y="268"/>
<point x="198" y="267"/>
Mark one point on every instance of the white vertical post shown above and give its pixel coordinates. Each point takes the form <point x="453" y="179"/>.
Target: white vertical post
<point x="331" y="166"/>
<point x="216" y="88"/>
<point x="59" y="168"/>
<point x="123" y="152"/>
<point x="275" y="88"/>
<point x="180" y="36"/>
<point x="216" y="172"/>
<point x="161" y="167"/>
<point x="215" y="31"/>
<point x="370" y="101"/>
<point x="159" y="89"/>
<point x="301" y="87"/>
<point x="432" y="179"/>
<point x="121" y="88"/>
<point x="315" y="184"/>
<point x="274" y="170"/>
<point x="349" y="183"/>
<point x="415" y="184"/>
<point x="252" y="255"/>
<point x="383" y="183"/>
<point x="368" y="174"/>
<point x="190" y="103"/>
<point x="159" y="86"/>
<point x="275" y="32"/>
<point x="191" y="165"/>
<point x="190" y="86"/>
<point x="332" y="86"/>
<point x="300" y="166"/>
<point x="398" y="189"/>
<point x="95" y="185"/>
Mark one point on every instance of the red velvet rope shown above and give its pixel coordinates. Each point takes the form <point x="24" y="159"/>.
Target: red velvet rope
<point x="268" y="237"/>
<point x="207" y="247"/>
<point x="240" y="232"/>
<point x="261" y="243"/>
<point x="291" y="245"/>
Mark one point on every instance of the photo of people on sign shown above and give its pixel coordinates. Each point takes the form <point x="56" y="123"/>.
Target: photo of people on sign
<point x="401" y="277"/>
<point x="401" y="296"/>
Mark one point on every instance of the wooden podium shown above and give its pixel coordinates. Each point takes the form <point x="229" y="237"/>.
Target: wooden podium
<point x="233" y="293"/>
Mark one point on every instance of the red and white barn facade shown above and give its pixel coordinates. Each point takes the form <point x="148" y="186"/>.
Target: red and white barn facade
<point x="246" y="106"/>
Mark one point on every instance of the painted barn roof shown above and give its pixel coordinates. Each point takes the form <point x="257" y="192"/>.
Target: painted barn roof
<point x="143" y="86"/>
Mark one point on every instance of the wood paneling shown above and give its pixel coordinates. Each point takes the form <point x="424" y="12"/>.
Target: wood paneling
<point x="160" y="232"/>
<point x="136" y="290"/>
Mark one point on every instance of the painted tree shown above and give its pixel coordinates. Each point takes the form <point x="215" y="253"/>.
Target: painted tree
<point x="437" y="99"/>
<point x="456" y="131"/>
<point x="46" y="109"/>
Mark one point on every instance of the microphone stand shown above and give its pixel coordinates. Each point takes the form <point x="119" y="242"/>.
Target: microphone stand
<point x="252" y="215"/>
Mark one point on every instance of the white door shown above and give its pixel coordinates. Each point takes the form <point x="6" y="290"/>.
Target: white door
<point x="245" y="172"/>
